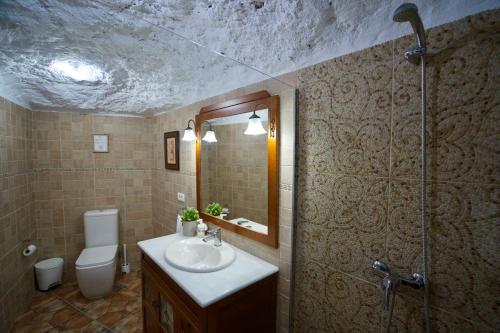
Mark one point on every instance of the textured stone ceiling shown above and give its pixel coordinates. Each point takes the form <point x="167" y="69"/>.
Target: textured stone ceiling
<point x="146" y="53"/>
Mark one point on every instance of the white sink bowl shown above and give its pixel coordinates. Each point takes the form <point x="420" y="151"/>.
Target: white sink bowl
<point x="194" y="255"/>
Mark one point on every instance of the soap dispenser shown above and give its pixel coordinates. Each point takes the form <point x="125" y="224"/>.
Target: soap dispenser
<point x="201" y="229"/>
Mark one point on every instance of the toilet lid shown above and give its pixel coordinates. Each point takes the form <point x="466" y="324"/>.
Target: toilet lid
<point x="49" y="263"/>
<point x="93" y="256"/>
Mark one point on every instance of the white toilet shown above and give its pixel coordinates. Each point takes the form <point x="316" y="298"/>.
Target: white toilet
<point x="96" y="265"/>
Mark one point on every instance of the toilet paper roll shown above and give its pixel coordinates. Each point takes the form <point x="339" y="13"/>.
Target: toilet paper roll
<point x="29" y="250"/>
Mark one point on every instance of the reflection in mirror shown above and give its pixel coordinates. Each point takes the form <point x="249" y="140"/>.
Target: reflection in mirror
<point x="234" y="171"/>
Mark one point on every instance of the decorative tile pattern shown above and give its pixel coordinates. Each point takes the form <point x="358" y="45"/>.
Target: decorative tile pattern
<point x="464" y="249"/>
<point x="334" y="302"/>
<point x="347" y="124"/>
<point x="349" y="214"/>
<point x="65" y="309"/>
<point x="463" y="103"/>
<point x="358" y="188"/>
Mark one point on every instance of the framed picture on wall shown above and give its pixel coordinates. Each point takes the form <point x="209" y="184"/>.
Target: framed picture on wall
<point x="171" y="144"/>
<point x="101" y="142"/>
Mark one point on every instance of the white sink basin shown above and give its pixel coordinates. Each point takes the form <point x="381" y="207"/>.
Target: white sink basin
<point x="194" y="255"/>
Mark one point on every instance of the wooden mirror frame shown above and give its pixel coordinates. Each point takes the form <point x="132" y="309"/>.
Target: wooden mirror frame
<point x="246" y="104"/>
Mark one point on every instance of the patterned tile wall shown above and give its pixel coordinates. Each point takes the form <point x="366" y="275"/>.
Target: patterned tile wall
<point x="70" y="179"/>
<point x="166" y="184"/>
<point x="358" y="184"/>
<point x="16" y="211"/>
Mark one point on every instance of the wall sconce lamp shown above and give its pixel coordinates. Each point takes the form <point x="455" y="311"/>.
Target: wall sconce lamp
<point x="190" y="135"/>
<point x="210" y="135"/>
<point x="255" y="124"/>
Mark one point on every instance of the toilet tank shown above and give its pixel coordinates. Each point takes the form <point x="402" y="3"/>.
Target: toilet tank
<point x="101" y="227"/>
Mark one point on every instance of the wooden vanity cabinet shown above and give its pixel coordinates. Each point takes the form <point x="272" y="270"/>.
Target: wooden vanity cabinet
<point x="167" y="308"/>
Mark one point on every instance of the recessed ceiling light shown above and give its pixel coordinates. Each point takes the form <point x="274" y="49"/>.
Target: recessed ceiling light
<point x="78" y="71"/>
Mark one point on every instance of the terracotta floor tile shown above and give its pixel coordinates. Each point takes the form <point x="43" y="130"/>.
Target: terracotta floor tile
<point x="134" y="306"/>
<point x="34" y="328"/>
<point x="121" y="297"/>
<point x="51" y="306"/>
<point x="95" y="327"/>
<point x="24" y="319"/>
<point x="65" y="309"/>
<point x="62" y="316"/>
<point x="129" y="293"/>
<point x="132" y="276"/>
<point x="96" y="308"/>
<point x="129" y="324"/>
<point x="43" y="317"/>
<point x="31" y="327"/>
<point x="66" y="290"/>
<point x="118" y="306"/>
<point x="124" y="302"/>
<point x="78" y="322"/>
<point x="41" y="298"/>
<point x="78" y="300"/>
<point x="109" y="319"/>
<point x="137" y="289"/>
<point x="118" y="287"/>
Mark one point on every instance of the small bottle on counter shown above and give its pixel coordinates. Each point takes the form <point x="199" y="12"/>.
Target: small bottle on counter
<point x="201" y="229"/>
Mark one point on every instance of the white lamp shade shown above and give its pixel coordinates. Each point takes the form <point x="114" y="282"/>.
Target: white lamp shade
<point x="255" y="126"/>
<point x="189" y="135"/>
<point x="210" y="136"/>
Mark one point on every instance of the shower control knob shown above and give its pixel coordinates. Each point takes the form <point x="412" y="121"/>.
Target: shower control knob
<point x="416" y="281"/>
<point x="380" y="267"/>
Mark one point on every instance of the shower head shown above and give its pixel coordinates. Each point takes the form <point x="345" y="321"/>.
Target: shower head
<point x="408" y="12"/>
<point x="405" y="12"/>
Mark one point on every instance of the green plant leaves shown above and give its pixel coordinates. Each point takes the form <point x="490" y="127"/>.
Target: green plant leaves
<point x="214" y="209"/>
<point x="190" y="214"/>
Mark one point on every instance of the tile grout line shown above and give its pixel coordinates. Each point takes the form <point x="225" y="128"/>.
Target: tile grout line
<point x="406" y="296"/>
<point x="389" y="192"/>
<point x="381" y="315"/>
<point x="387" y="177"/>
<point x="452" y="314"/>
<point x="345" y="273"/>
<point x="63" y="197"/>
<point x="79" y="310"/>
<point x="93" y="161"/>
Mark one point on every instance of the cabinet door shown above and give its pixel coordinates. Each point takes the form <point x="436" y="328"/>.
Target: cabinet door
<point x="183" y="324"/>
<point x="150" y="305"/>
<point x="166" y="314"/>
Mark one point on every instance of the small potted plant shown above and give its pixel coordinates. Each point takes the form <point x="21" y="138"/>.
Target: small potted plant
<point x="190" y="219"/>
<point x="214" y="209"/>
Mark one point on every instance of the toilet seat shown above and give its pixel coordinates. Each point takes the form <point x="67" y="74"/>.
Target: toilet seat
<point x="96" y="256"/>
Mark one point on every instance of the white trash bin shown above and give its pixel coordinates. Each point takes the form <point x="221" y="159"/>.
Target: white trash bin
<point x="49" y="273"/>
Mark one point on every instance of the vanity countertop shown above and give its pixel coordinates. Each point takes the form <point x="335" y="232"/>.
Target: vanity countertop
<point x="208" y="288"/>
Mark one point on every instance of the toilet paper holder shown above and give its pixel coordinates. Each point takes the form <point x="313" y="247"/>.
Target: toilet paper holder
<point x="29" y="248"/>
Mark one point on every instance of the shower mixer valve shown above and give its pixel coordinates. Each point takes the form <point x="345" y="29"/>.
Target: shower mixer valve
<point x="392" y="280"/>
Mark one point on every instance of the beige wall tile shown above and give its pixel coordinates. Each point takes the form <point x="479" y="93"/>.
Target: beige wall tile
<point x="71" y="179"/>
<point x="17" y="218"/>
<point x="167" y="183"/>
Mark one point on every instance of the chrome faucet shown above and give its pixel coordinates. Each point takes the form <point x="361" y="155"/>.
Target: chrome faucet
<point x="380" y="268"/>
<point x="392" y="280"/>
<point x="214" y="234"/>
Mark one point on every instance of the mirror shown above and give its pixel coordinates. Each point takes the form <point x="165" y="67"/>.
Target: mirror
<point x="237" y="162"/>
